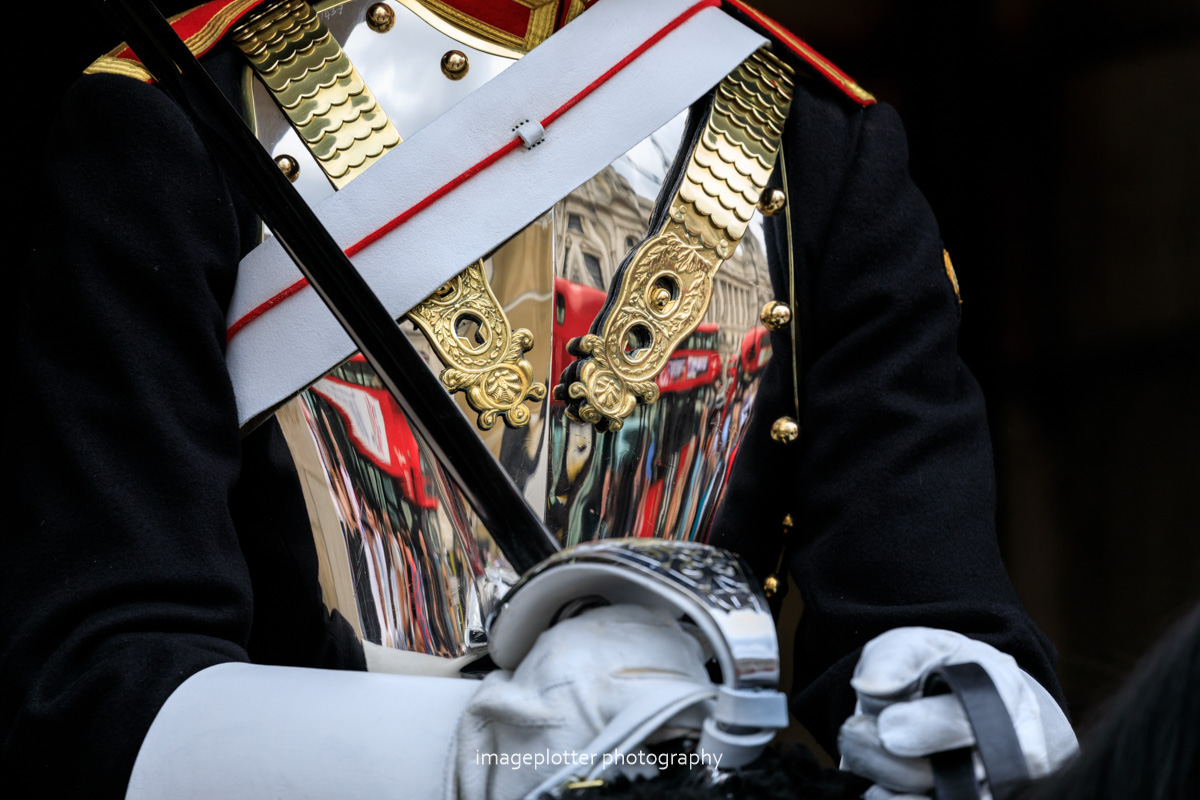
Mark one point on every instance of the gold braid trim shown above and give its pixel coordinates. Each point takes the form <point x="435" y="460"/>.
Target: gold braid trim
<point x="198" y="43"/>
<point x="111" y="65"/>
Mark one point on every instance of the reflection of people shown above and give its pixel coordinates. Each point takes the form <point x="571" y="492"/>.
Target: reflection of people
<point x="154" y="543"/>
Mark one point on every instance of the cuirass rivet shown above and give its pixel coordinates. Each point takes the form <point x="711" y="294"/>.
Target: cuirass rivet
<point x="775" y="316"/>
<point x="380" y="17"/>
<point x="455" y="65"/>
<point x="785" y="430"/>
<point x="289" y="166"/>
<point x="772" y="201"/>
<point x="660" y="298"/>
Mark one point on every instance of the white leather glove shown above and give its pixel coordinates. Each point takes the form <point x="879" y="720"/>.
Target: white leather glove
<point x="585" y="680"/>
<point x="894" y="729"/>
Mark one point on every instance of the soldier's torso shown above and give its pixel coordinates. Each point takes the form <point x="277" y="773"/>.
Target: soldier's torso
<point x="334" y="87"/>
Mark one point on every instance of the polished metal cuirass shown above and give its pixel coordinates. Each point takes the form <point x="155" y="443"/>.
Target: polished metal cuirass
<point x="402" y="555"/>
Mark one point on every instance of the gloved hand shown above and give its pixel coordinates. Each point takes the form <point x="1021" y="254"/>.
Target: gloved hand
<point x="894" y="729"/>
<point x="580" y="675"/>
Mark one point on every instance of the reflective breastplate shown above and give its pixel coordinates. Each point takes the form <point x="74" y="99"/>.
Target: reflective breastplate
<point x="577" y="296"/>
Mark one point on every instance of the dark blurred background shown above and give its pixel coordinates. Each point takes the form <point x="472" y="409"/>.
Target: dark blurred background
<point x="1059" y="144"/>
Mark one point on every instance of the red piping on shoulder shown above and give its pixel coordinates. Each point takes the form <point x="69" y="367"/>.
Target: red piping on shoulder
<point x="810" y="56"/>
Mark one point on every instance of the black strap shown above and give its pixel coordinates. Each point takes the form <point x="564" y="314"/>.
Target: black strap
<point x="995" y="737"/>
<point x="954" y="775"/>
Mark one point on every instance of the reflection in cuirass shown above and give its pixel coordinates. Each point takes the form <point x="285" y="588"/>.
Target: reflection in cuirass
<point x="402" y="555"/>
<point x="422" y="572"/>
<point x="661" y="473"/>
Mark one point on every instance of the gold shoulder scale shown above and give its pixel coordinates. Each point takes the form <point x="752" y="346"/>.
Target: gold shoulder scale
<point x="663" y="292"/>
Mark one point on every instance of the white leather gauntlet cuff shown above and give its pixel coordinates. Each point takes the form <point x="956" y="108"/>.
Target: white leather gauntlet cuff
<point x="242" y="731"/>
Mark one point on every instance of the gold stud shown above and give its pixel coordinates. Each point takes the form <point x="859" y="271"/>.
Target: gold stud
<point x="785" y="430"/>
<point x="455" y="65"/>
<point x="289" y="166"/>
<point x="380" y="17"/>
<point x="770" y="586"/>
<point x="595" y="783"/>
<point x="660" y="298"/>
<point x="772" y="201"/>
<point x="775" y="315"/>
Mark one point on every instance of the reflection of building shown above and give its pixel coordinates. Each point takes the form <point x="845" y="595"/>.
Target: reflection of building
<point x="604" y="219"/>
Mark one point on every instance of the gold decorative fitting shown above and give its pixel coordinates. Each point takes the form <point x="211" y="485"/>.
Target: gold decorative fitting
<point x="772" y="201"/>
<point x="455" y="65"/>
<point x="787" y="522"/>
<point x="785" y="430"/>
<point x="770" y="586"/>
<point x="339" y="120"/>
<point x="380" y="17"/>
<point x="484" y="356"/>
<point x="664" y="287"/>
<point x="289" y="166"/>
<point x="775" y="316"/>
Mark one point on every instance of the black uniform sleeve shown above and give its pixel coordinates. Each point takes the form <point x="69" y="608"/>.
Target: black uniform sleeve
<point x="891" y="484"/>
<point x="135" y="494"/>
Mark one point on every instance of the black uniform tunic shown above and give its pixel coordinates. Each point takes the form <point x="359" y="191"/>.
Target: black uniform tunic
<point x="151" y="540"/>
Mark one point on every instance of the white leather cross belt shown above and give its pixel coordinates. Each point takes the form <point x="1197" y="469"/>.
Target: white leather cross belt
<point x="467" y="182"/>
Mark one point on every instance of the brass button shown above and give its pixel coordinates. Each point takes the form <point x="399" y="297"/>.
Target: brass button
<point x="289" y="166"/>
<point x="772" y="201"/>
<point x="775" y="315"/>
<point x="770" y="586"/>
<point x="455" y="65"/>
<point x="380" y="17"/>
<point x="785" y="430"/>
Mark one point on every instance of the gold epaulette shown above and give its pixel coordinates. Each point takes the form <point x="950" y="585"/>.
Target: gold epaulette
<point x="201" y="28"/>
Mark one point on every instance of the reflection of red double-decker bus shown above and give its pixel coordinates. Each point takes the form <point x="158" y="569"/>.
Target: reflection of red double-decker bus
<point x="756" y="350"/>
<point x="377" y="426"/>
<point x="575" y="306"/>
<point x="694" y="363"/>
<point x="646" y="465"/>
